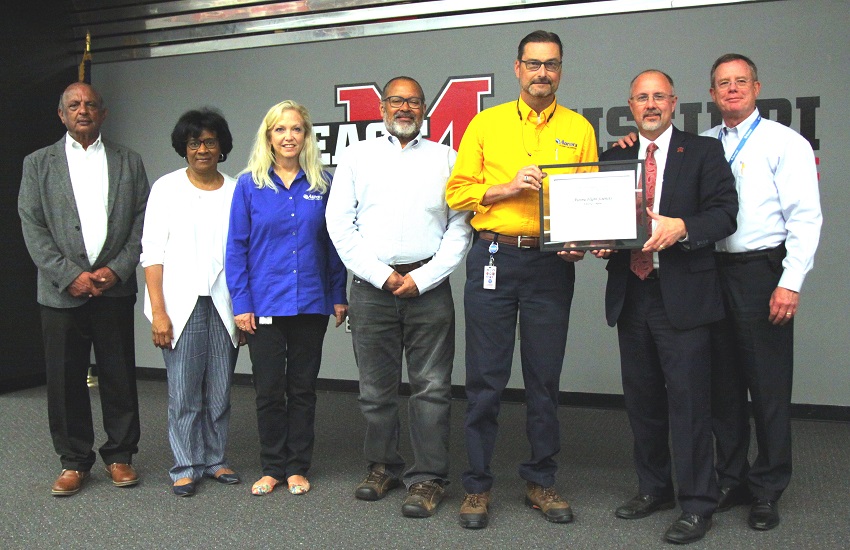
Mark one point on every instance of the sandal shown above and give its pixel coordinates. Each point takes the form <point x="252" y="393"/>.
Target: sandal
<point x="263" y="486"/>
<point x="298" y="486"/>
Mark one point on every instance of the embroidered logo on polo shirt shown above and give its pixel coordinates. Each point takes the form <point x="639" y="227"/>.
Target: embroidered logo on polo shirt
<point x="312" y="197"/>
<point x="564" y="143"/>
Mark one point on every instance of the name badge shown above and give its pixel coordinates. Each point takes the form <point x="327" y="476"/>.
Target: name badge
<point x="490" y="277"/>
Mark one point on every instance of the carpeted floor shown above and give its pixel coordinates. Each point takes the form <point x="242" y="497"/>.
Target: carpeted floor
<point x="595" y="475"/>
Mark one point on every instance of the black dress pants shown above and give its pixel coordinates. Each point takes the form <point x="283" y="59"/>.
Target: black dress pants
<point x="751" y="355"/>
<point x="106" y="323"/>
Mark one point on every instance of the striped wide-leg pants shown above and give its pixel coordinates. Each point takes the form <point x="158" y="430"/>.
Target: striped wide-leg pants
<point x="200" y="370"/>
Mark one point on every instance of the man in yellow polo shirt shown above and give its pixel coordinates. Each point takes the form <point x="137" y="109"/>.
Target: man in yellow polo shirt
<point x="496" y="176"/>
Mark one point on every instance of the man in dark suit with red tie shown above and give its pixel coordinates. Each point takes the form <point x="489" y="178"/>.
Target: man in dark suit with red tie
<point x="662" y="299"/>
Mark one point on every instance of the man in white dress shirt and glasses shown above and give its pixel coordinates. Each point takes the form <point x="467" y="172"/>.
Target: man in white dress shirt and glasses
<point x="388" y="218"/>
<point x="762" y="267"/>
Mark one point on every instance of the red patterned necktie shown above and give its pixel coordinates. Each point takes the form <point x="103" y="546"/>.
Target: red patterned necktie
<point x="641" y="263"/>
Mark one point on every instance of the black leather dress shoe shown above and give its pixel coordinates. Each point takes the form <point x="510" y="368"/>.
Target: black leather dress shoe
<point x="764" y="515"/>
<point x="688" y="528"/>
<point x="227" y="479"/>
<point x="644" y="505"/>
<point x="734" y="496"/>
<point x="186" y="490"/>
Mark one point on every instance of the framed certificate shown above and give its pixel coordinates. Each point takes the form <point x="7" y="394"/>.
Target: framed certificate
<point x="601" y="208"/>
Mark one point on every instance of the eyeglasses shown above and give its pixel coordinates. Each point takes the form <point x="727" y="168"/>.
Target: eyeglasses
<point x="742" y="83"/>
<point x="195" y="144"/>
<point x="534" y="65"/>
<point x="641" y="99"/>
<point x="396" y="101"/>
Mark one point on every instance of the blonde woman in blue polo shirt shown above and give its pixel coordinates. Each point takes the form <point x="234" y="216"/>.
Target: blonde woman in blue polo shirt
<point x="285" y="279"/>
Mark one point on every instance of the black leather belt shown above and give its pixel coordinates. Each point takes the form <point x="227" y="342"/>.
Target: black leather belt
<point x="404" y="269"/>
<point x="729" y="258"/>
<point x="510" y="240"/>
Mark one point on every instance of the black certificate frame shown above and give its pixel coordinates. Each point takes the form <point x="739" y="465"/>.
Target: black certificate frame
<point x="641" y="218"/>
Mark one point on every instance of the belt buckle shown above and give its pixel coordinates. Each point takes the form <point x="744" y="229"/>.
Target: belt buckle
<point x="519" y="241"/>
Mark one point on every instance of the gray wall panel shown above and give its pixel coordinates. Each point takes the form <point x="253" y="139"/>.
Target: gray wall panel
<point x="601" y="55"/>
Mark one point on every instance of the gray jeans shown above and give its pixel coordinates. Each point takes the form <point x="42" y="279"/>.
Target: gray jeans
<point x="383" y="328"/>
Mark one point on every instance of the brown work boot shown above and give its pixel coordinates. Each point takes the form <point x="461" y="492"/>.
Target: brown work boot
<point x="68" y="483"/>
<point x="422" y="499"/>
<point x="545" y="499"/>
<point x="377" y="484"/>
<point x="473" y="510"/>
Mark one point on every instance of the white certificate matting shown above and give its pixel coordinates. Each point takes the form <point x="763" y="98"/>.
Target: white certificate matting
<point x="592" y="206"/>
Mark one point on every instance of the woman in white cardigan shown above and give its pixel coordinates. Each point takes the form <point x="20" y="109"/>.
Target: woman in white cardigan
<point x="187" y="300"/>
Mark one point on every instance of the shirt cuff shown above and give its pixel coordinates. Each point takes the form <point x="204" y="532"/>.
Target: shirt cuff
<point x="791" y="280"/>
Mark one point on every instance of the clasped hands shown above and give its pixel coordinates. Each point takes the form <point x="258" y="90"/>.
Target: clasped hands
<point x="91" y="284"/>
<point x="402" y="286"/>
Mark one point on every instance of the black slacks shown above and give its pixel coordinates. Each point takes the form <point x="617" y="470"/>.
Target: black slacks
<point x="285" y="358"/>
<point x="666" y="384"/>
<point x="752" y="355"/>
<point x="69" y="334"/>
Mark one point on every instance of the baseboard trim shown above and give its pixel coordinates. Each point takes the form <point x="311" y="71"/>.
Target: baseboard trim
<point x="22" y="382"/>
<point x="799" y="411"/>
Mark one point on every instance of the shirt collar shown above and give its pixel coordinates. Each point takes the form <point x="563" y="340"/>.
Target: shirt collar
<point x="527" y="112"/>
<point x="277" y="181"/>
<point x="744" y="125"/>
<point x="662" y="141"/>
<point x="412" y="143"/>
<point x="72" y="145"/>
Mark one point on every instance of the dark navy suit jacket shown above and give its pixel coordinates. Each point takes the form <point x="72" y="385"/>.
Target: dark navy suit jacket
<point x="699" y="188"/>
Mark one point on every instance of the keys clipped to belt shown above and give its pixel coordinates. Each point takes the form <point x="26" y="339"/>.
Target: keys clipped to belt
<point x="490" y="269"/>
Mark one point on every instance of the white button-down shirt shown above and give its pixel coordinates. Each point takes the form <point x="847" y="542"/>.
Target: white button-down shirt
<point x="90" y="181"/>
<point x="660" y="155"/>
<point x="777" y="182"/>
<point x="387" y="206"/>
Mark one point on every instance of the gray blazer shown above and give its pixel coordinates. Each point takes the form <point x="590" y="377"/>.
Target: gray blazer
<point x="51" y="222"/>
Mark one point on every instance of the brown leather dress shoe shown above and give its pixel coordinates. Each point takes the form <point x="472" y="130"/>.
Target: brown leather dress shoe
<point x="68" y="483"/>
<point x="123" y="475"/>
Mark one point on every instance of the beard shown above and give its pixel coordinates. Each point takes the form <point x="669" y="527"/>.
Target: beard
<point x="653" y="125"/>
<point x="534" y="90"/>
<point x="403" y="129"/>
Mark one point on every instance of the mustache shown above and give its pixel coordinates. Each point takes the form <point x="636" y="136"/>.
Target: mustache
<point x="405" y="114"/>
<point x="542" y="80"/>
<point x="656" y="112"/>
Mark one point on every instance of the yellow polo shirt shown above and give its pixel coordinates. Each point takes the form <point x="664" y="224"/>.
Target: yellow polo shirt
<point x="498" y="142"/>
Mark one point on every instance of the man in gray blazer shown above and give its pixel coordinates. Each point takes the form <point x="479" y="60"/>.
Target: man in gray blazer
<point x="82" y="203"/>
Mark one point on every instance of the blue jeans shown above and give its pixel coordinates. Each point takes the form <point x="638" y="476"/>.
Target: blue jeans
<point x="383" y="328"/>
<point x="200" y="369"/>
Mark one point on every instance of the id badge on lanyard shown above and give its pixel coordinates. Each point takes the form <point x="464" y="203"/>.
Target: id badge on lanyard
<point x="490" y="269"/>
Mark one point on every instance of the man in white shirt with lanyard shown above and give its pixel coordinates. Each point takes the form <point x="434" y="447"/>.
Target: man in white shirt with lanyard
<point x="388" y="219"/>
<point x="762" y="268"/>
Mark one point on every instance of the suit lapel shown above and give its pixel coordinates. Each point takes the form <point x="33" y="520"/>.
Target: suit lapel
<point x="59" y="163"/>
<point x="113" y="170"/>
<point x="675" y="156"/>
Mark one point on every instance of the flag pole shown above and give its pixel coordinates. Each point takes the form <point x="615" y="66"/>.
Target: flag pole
<point x="85" y="64"/>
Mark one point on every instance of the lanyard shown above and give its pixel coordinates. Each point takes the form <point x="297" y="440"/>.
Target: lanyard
<point x="743" y="139"/>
